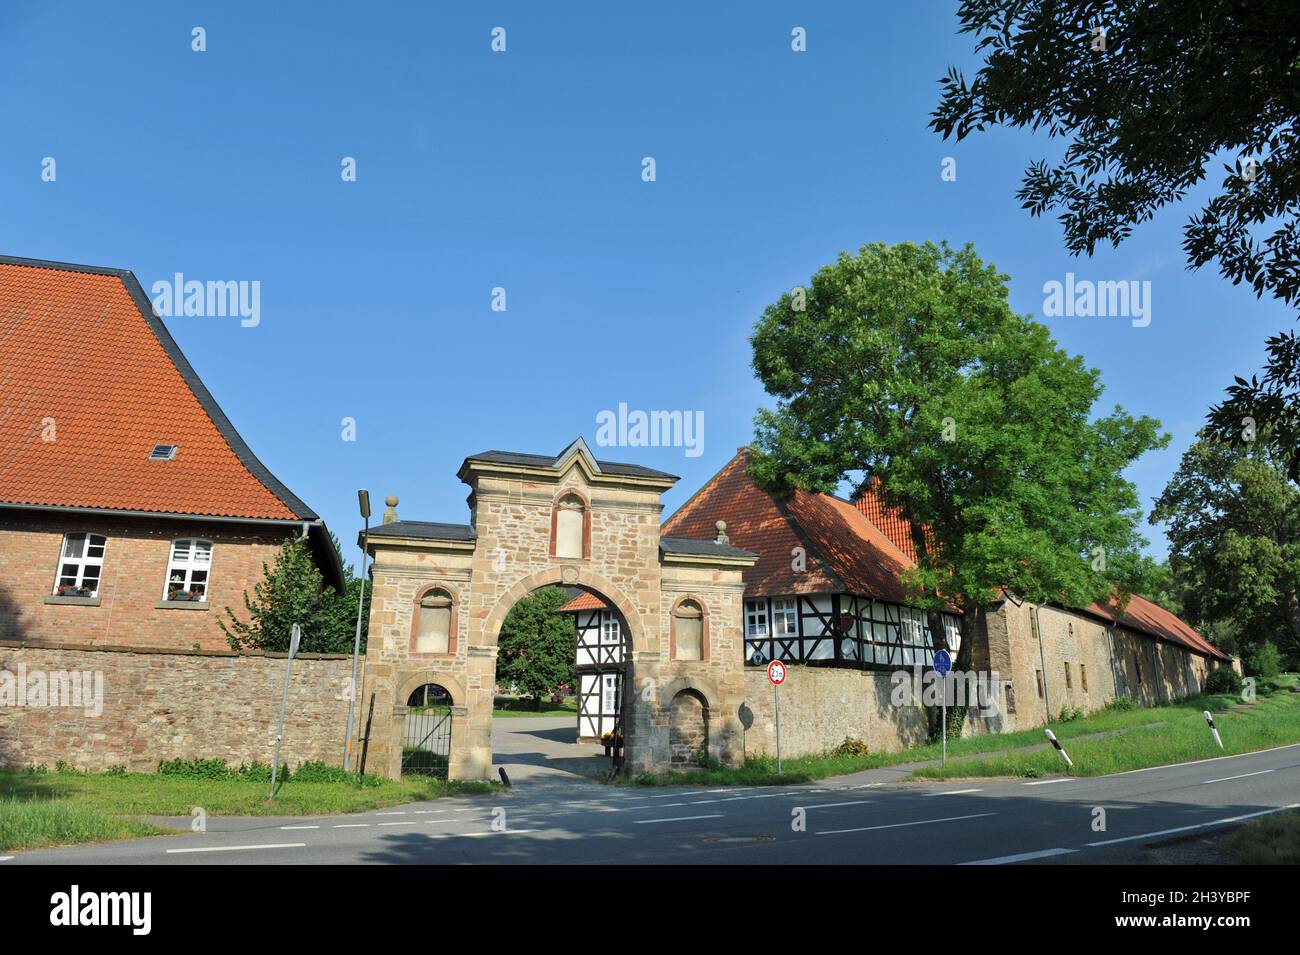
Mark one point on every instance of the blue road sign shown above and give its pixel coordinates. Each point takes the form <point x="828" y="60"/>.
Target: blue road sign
<point x="942" y="662"/>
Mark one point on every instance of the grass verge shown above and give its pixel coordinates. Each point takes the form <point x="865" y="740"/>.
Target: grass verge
<point x="761" y="770"/>
<point x="60" y="808"/>
<point x="518" y="706"/>
<point x="1272" y="840"/>
<point x="1271" y="721"/>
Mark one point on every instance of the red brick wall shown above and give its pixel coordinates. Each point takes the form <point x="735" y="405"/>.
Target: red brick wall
<point x="131" y="583"/>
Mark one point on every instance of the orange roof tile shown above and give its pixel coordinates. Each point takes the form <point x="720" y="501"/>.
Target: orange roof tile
<point x="584" y="601"/>
<point x="82" y="353"/>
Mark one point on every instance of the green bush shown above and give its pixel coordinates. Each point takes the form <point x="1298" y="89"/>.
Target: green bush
<point x="117" y="770"/>
<point x="851" y="747"/>
<point x="1121" y="704"/>
<point x="1265" y="661"/>
<point x="194" y="768"/>
<point x="1070" y="713"/>
<point x="316" y="771"/>
<point x="1223" y="680"/>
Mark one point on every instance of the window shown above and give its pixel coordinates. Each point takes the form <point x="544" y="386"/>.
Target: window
<point x="1137" y="667"/>
<point x="1040" y="683"/>
<point x="187" y="571"/>
<point x="570" y="526"/>
<point x="1083" y="676"/>
<point x="1011" y="700"/>
<point x="1068" y="685"/>
<point x="79" y="565"/>
<point x="785" y="619"/>
<point x="433" y="623"/>
<point x="758" y="648"/>
<point x="688" y="631"/>
<point x="163" y="452"/>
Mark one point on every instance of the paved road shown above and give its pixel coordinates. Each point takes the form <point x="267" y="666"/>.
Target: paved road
<point x="847" y="821"/>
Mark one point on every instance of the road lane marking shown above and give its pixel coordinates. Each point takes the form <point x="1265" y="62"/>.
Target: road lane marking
<point x="1048" y="782"/>
<point x="900" y="825"/>
<point x="1022" y="857"/>
<point x="1242" y="776"/>
<point x="1199" y="825"/>
<point x="833" y="805"/>
<point x="646" y="822"/>
<point x="410" y="822"/>
<point x="1193" y="762"/>
<point x="300" y="827"/>
<point x="955" y="792"/>
<point x="428" y="812"/>
<point x="401" y="813"/>
<point x="353" y="825"/>
<point x="5" y="858"/>
<point x="271" y="845"/>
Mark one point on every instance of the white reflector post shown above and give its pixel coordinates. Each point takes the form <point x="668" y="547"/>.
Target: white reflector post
<point x="1213" y="729"/>
<point x="1059" y="748"/>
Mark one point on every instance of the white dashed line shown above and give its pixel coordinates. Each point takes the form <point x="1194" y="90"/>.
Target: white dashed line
<point x="411" y="822"/>
<point x="5" y="858"/>
<point x="1047" y="782"/>
<point x="833" y="805"/>
<point x="1242" y="776"/>
<point x="353" y="825"/>
<point x="273" y="845"/>
<point x="901" y="825"/>
<point x="401" y="813"/>
<point x="300" y="827"/>
<point x="955" y="792"/>
<point x="1022" y="857"/>
<point x="646" y="822"/>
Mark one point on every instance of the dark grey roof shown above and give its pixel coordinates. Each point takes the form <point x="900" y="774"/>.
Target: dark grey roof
<point x="429" y="530"/>
<point x="550" y="460"/>
<point x="685" y="545"/>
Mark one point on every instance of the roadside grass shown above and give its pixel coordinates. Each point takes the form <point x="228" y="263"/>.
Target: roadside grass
<point x="29" y="824"/>
<point x="1273" y="720"/>
<point x="1272" y="840"/>
<point x="62" y="807"/>
<point x="520" y="706"/>
<point x="761" y="770"/>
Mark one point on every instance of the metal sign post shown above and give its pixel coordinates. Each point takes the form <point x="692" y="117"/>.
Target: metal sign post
<point x="294" y="640"/>
<point x="943" y="666"/>
<point x="776" y="675"/>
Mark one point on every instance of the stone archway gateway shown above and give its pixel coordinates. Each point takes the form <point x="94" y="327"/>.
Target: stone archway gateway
<point x="442" y="591"/>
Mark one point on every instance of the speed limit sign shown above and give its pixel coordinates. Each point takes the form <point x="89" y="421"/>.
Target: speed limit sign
<point x="776" y="672"/>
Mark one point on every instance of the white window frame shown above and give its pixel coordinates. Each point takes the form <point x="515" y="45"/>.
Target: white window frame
<point x="187" y="566"/>
<point x="785" y="614"/>
<point x="89" y="540"/>
<point x="756" y="612"/>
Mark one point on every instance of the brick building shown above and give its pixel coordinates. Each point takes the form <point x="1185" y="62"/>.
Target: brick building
<point x="131" y="511"/>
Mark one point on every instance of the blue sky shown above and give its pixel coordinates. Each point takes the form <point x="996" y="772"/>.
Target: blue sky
<point x="523" y="170"/>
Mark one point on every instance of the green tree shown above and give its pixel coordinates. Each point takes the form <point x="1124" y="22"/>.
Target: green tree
<point x="906" y="363"/>
<point x="537" y="646"/>
<point x="291" y="591"/>
<point x="1146" y="111"/>
<point x="1233" y="520"/>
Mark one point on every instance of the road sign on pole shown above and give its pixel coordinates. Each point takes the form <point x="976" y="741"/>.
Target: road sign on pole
<point x="776" y="676"/>
<point x="943" y="666"/>
<point x="295" y="638"/>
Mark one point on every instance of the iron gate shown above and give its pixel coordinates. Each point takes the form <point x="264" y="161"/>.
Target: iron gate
<point x="426" y="732"/>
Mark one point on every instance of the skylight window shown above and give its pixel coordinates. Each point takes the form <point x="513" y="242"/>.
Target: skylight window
<point x="162" y="452"/>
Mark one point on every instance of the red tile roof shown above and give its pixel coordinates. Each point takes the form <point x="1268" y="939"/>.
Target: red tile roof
<point x="82" y="351"/>
<point x="847" y="550"/>
<point x="584" y="601"/>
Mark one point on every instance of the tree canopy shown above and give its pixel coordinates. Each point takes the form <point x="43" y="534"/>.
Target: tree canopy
<point x="906" y="363"/>
<point x="1149" y="98"/>
<point x="292" y="590"/>
<point x="1234" y="535"/>
<point x="537" y="646"/>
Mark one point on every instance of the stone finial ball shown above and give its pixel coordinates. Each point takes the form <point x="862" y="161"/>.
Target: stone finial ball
<point x="391" y="500"/>
<point x="721" y="525"/>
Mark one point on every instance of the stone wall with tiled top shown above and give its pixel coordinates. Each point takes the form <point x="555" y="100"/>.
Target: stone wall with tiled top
<point x="131" y="582"/>
<point x="159" y="705"/>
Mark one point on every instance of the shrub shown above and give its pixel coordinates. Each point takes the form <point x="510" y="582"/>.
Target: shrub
<point x="1121" y="704"/>
<point x="1070" y="713"/>
<point x="194" y="768"/>
<point x="117" y="770"/>
<point x="316" y="771"/>
<point x="1265" y="661"/>
<point x="851" y="747"/>
<point x="1223" y="680"/>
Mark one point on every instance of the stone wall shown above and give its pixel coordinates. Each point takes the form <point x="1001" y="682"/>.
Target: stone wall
<point x="160" y="705"/>
<point x="132" y="581"/>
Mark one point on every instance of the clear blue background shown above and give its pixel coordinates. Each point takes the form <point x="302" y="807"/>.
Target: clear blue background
<point x="522" y="170"/>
